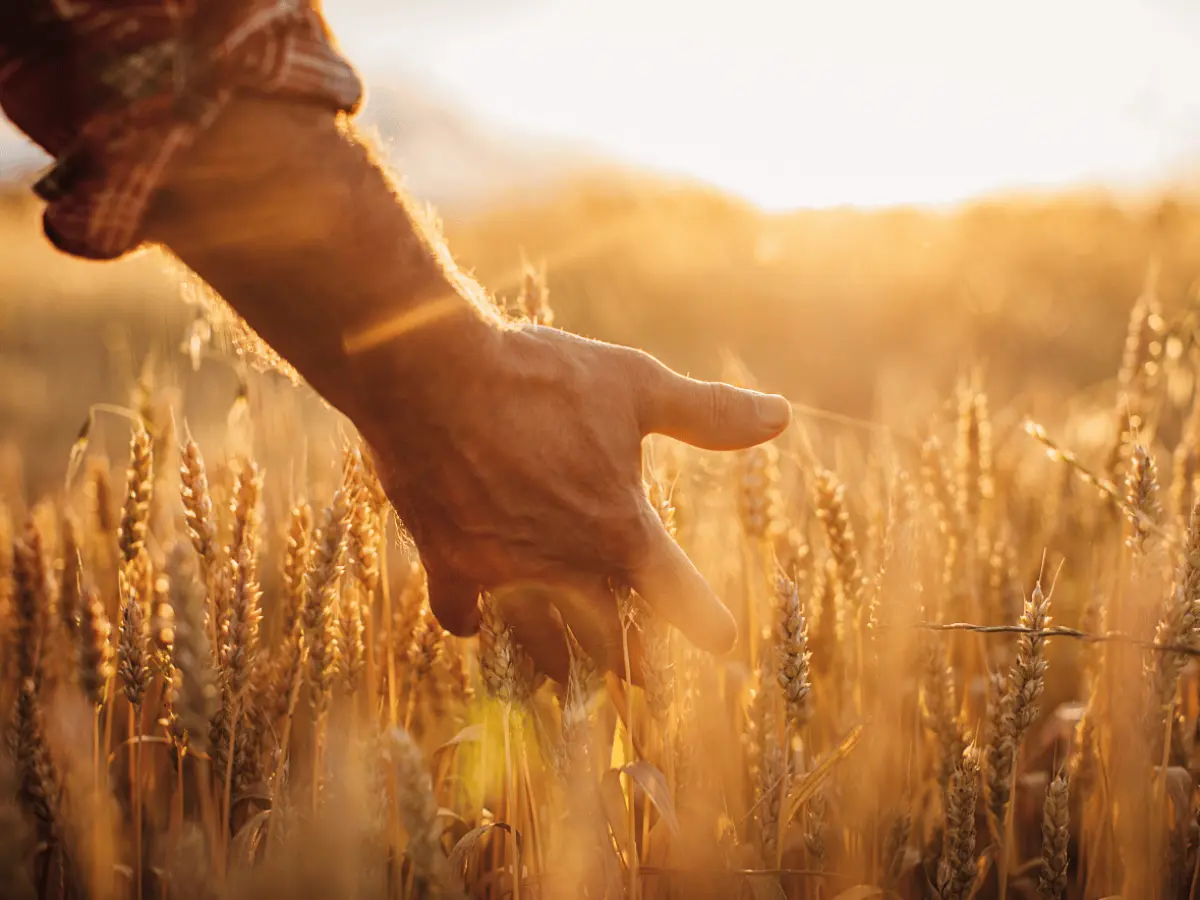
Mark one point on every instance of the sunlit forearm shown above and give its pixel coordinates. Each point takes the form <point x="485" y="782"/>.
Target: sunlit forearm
<point x="290" y="217"/>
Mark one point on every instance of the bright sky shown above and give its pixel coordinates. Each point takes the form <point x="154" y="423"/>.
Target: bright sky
<point x="820" y="102"/>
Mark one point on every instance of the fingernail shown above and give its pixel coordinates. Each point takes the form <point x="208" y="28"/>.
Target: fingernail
<point x="774" y="411"/>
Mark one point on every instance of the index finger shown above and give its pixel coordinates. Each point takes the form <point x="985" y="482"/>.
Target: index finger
<point x="674" y="588"/>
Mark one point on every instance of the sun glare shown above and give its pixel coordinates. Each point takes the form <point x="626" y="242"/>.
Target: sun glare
<point x="803" y="104"/>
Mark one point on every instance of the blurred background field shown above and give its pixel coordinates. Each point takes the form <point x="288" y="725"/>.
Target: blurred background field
<point x="931" y="216"/>
<point x="857" y="312"/>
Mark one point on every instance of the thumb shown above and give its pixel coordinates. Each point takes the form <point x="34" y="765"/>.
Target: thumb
<point x="454" y="602"/>
<point x="708" y="414"/>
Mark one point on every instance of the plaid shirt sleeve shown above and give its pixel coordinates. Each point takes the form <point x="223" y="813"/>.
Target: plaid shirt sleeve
<point x="113" y="89"/>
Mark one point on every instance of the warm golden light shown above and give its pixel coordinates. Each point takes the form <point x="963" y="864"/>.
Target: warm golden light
<point x="801" y="103"/>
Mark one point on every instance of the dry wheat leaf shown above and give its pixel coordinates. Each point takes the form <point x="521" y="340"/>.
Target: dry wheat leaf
<point x="247" y="839"/>
<point x="461" y="854"/>
<point x="445" y="813"/>
<point x="472" y="734"/>
<point x="808" y="785"/>
<point x="78" y="450"/>
<point x="612" y="798"/>
<point x="651" y="780"/>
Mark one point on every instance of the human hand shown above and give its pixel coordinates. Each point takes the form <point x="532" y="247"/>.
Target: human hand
<point x="516" y="464"/>
<point x="514" y="458"/>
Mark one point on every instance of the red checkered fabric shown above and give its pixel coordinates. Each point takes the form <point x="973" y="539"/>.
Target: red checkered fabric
<point x="113" y="89"/>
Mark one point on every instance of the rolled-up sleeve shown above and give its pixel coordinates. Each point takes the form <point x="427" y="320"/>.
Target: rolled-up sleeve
<point x="115" y="89"/>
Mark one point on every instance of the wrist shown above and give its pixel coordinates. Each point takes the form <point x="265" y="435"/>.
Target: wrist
<point x="405" y="388"/>
<point x="429" y="353"/>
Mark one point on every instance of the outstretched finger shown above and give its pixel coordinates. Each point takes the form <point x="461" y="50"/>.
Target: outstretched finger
<point x="676" y="591"/>
<point x="706" y="414"/>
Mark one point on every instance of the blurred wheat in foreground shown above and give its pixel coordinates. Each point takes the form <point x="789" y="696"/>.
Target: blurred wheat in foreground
<point x="967" y="670"/>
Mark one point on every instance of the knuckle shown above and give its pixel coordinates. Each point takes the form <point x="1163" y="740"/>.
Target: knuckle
<point x="643" y="371"/>
<point x="639" y="361"/>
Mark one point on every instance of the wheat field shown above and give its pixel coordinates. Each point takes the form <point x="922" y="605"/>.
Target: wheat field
<point x="966" y="664"/>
